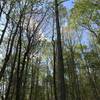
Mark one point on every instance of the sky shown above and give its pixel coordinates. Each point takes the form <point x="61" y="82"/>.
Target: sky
<point x="69" y="4"/>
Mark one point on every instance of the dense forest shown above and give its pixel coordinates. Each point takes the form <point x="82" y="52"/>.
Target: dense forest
<point x="49" y="49"/>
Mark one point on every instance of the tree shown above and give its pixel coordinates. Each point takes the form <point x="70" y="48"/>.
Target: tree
<point x="59" y="57"/>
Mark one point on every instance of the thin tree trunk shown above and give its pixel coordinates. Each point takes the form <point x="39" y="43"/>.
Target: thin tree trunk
<point x="11" y="76"/>
<point x="7" y="22"/>
<point x="10" y="50"/>
<point x="25" y="80"/>
<point x="1" y="10"/>
<point x="33" y="72"/>
<point x="54" y="64"/>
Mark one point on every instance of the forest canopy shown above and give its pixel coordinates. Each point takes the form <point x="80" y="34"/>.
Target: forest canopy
<point x="49" y="49"/>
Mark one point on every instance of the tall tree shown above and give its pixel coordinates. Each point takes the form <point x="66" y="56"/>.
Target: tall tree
<point x="60" y="66"/>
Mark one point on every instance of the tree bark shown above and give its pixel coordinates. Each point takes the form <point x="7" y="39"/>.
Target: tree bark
<point x="60" y="65"/>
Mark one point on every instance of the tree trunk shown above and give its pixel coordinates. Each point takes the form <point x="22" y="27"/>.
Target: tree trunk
<point x="60" y="65"/>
